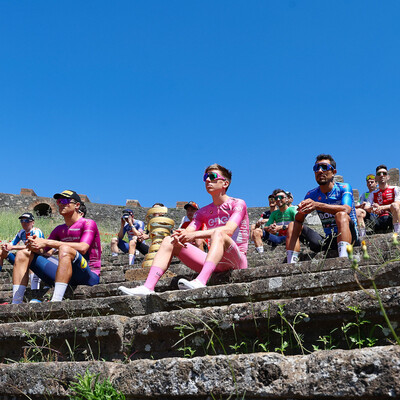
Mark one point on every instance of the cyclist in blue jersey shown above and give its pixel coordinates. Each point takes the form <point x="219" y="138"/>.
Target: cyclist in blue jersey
<point x="136" y="237"/>
<point x="334" y="204"/>
<point x="27" y="221"/>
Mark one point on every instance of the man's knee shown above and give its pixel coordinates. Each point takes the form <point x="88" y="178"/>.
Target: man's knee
<point x="361" y="214"/>
<point x="132" y="242"/>
<point x="395" y="208"/>
<point x="257" y="233"/>
<point x="22" y="255"/>
<point x="114" y="240"/>
<point x="341" y="217"/>
<point x="66" y="251"/>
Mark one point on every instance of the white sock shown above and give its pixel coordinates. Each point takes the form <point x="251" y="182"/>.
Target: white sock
<point x="292" y="256"/>
<point x="18" y="294"/>
<point x="35" y="281"/>
<point x="131" y="259"/>
<point x="260" y="249"/>
<point x="59" y="290"/>
<point x="114" y="254"/>
<point x="362" y="232"/>
<point x="342" y="249"/>
<point x="396" y="227"/>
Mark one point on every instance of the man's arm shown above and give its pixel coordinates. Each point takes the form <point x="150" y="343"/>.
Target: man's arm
<point x="37" y="245"/>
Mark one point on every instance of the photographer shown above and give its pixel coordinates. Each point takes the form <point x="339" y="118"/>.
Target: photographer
<point x="136" y="237"/>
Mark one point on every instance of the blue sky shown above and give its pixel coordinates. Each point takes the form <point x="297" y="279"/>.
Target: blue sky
<point x="132" y="100"/>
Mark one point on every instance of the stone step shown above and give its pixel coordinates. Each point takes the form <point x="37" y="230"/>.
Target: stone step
<point x="245" y="327"/>
<point x="275" y="287"/>
<point x="371" y="373"/>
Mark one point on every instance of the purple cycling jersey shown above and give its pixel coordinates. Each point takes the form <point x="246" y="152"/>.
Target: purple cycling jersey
<point x="82" y="231"/>
<point x="234" y="210"/>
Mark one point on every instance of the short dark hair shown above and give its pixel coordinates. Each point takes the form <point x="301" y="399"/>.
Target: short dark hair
<point x="276" y="191"/>
<point x="382" y="166"/>
<point x="226" y="173"/>
<point x="157" y="204"/>
<point x="326" y="157"/>
<point x="271" y="196"/>
<point x="83" y="209"/>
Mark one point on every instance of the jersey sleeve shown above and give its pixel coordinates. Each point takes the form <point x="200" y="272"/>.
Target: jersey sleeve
<point x="370" y="199"/>
<point x="197" y="221"/>
<point x="347" y="195"/>
<point x="239" y="212"/>
<point x="17" y="239"/>
<point x="140" y="225"/>
<point x="271" y="219"/>
<point x="89" y="232"/>
<point x="38" y="233"/>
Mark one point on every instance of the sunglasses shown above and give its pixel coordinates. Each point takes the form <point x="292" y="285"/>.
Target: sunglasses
<point x="324" y="167"/>
<point x="213" y="176"/>
<point x="25" y="221"/>
<point x="64" y="201"/>
<point x="382" y="173"/>
<point x="279" y="197"/>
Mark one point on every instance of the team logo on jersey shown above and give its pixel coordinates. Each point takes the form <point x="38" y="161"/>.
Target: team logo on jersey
<point x="319" y="197"/>
<point x="217" y="221"/>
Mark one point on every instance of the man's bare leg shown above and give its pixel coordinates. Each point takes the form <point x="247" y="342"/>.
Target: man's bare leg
<point x="361" y="214"/>
<point x="114" y="246"/>
<point x="23" y="259"/>
<point x="293" y="242"/>
<point x="64" y="271"/>
<point x="344" y="234"/>
<point x="132" y="249"/>
<point x="257" y="239"/>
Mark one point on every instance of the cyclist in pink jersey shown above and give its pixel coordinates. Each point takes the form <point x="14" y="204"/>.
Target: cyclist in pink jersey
<point x="79" y="252"/>
<point x="227" y="226"/>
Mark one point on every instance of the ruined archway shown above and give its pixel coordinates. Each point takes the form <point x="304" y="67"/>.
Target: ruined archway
<point x="42" y="210"/>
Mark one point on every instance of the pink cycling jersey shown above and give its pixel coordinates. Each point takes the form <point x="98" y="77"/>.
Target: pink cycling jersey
<point x="234" y="210"/>
<point x="82" y="231"/>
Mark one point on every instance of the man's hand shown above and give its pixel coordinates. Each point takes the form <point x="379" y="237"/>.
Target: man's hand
<point x="273" y="228"/>
<point x="35" y="244"/>
<point x="182" y="236"/>
<point x="307" y="206"/>
<point x="7" y="246"/>
<point x="260" y="222"/>
<point x="377" y="209"/>
<point x="122" y="222"/>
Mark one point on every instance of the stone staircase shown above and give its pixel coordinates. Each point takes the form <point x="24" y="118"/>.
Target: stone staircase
<point x="273" y="331"/>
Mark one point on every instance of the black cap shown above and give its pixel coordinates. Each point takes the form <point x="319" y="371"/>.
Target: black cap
<point x="191" y="204"/>
<point x="27" y="215"/>
<point x="127" y="212"/>
<point x="68" y="194"/>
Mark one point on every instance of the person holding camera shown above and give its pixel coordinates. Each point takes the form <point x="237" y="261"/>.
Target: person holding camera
<point x="136" y="237"/>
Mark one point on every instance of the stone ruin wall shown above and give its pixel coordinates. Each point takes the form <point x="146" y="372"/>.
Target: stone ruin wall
<point x="109" y="214"/>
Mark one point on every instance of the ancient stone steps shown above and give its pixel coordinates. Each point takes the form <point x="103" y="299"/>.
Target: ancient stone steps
<point x="370" y="373"/>
<point x="240" y="311"/>
<point x="248" y="325"/>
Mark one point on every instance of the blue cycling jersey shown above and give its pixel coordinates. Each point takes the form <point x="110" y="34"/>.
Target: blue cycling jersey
<point x="21" y="235"/>
<point x="341" y="194"/>
<point x="139" y="225"/>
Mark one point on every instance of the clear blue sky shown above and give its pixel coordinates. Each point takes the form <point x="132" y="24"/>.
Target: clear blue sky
<point x="133" y="99"/>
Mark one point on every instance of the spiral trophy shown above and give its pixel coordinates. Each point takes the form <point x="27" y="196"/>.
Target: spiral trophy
<point x="159" y="226"/>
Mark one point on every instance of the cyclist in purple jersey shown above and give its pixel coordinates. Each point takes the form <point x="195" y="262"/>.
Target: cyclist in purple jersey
<point x="79" y="252"/>
<point x="227" y="225"/>
<point x="335" y="207"/>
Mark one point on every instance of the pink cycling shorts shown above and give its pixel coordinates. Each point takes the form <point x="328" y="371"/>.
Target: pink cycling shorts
<point x="195" y="258"/>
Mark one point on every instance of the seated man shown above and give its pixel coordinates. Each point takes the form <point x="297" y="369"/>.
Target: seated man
<point x="191" y="209"/>
<point x="363" y="215"/>
<point x="79" y="252"/>
<point x="27" y="222"/>
<point x="257" y="233"/>
<point x="385" y="203"/>
<point x="275" y="229"/>
<point x="136" y="237"/>
<point x="227" y="226"/>
<point x="334" y="204"/>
